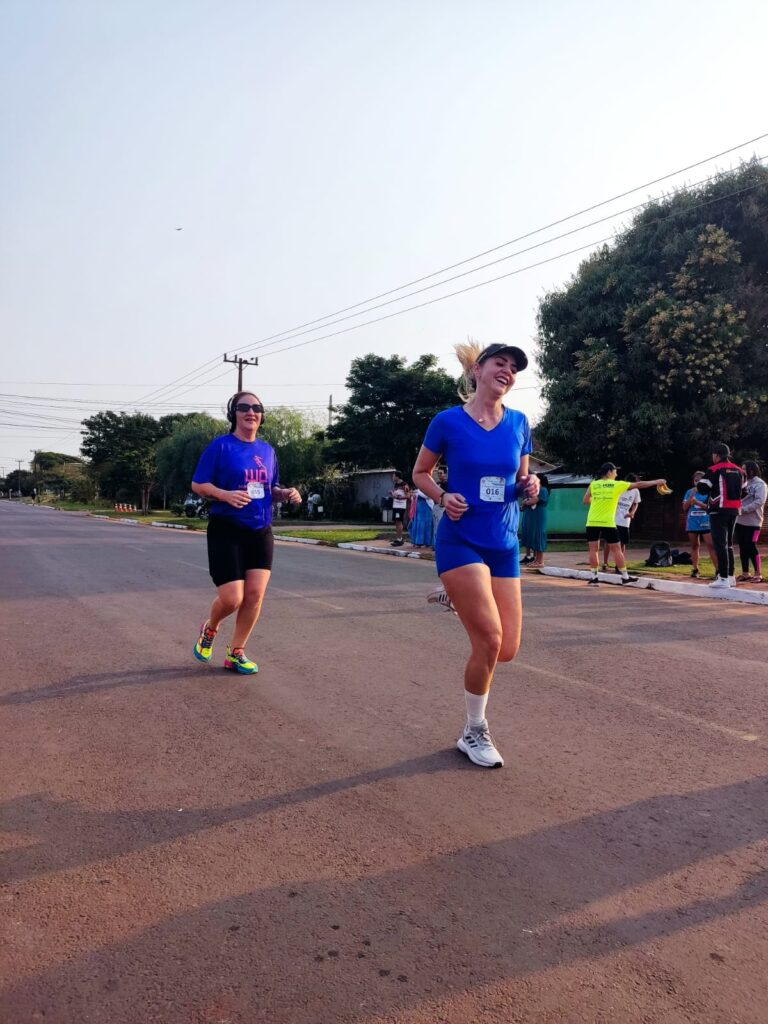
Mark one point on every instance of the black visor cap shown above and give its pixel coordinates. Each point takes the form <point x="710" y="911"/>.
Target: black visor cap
<point x="521" y="359"/>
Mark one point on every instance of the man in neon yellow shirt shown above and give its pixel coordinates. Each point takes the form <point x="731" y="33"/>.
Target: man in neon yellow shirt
<point x="602" y="496"/>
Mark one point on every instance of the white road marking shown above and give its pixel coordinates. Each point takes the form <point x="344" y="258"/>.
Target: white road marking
<point x="304" y="597"/>
<point x="647" y="705"/>
<point x="279" y="590"/>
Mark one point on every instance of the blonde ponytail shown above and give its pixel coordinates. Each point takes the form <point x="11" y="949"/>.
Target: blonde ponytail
<point x="467" y="354"/>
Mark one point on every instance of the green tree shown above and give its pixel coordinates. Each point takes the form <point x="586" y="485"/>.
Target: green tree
<point x="20" y="480"/>
<point x="48" y="461"/>
<point x="299" y="445"/>
<point x="389" y="408"/>
<point x="57" y="471"/>
<point x="659" y="344"/>
<point x="121" y="447"/>
<point x="178" y="454"/>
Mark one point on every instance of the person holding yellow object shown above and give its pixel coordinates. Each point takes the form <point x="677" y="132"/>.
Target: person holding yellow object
<point x="602" y="496"/>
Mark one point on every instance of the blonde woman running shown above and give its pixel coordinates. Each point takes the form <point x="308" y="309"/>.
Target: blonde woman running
<point x="486" y="447"/>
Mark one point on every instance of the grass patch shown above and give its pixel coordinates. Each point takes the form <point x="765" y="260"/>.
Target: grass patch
<point x="359" y="536"/>
<point x="77" y="506"/>
<point x="673" y="571"/>
<point x="156" y="516"/>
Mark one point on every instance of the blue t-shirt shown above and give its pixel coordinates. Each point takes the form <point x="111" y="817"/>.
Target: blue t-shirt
<point x="482" y="466"/>
<point x="235" y="465"/>
<point x="698" y="517"/>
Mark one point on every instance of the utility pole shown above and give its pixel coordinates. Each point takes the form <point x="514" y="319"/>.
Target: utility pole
<point x="330" y="410"/>
<point x="34" y="473"/>
<point x="240" y="364"/>
<point x="18" y="477"/>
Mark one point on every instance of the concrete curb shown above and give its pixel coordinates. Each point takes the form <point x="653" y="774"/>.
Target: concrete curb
<point x="665" y="586"/>
<point x="382" y="551"/>
<point x="109" y="519"/>
<point x="352" y="546"/>
<point x="170" y="526"/>
<point x="300" y="540"/>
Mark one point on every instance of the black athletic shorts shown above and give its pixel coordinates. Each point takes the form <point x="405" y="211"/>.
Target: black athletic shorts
<point x="398" y="515"/>
<point x="609" y="534"/>
<point x="623" y="534"/>
<point x="234" y="549"/>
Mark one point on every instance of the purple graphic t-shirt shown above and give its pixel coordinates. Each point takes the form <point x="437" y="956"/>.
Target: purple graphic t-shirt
<point x="235" y="465"/>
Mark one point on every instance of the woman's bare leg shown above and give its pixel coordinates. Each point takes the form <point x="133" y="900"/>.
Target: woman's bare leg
<point x="695" y="548"/>
<point x="229" y="597"/>
<point x="256" y="581"/>
<point x="469" y="588"/>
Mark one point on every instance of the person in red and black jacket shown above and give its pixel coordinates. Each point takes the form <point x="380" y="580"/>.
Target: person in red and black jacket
<point x="722" y="485"/>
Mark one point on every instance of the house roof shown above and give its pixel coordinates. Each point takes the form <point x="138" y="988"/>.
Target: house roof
<point x="569" y="479"/>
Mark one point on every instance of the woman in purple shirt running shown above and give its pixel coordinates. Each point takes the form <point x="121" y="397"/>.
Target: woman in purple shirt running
<point x="238" y="474"/>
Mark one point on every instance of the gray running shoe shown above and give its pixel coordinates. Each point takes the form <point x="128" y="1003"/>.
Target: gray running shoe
<point x="477" y="744"/>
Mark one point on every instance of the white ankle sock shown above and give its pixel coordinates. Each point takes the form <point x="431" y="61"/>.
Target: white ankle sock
<point x="476" y="704"/>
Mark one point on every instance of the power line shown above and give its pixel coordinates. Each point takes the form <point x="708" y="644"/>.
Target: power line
<point x="492" y="263"/>
<point x="513" y="241"/>
<point x="177" y="382"/>
<point x="283" y="335"/>
<point x="183" y="377"/>
<point x="96" y="403"/>
<point x="492" y="280"/>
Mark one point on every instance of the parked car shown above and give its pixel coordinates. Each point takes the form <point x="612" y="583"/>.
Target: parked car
<point x="195" y="507"/>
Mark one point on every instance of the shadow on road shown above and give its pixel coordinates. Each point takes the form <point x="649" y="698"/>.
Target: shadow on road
<point x="343" y="950"/>
<point x="99" y="682"/>
<point x="71" y="835"/>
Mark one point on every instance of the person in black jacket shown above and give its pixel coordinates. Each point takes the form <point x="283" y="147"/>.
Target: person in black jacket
<point x="722" y="485"/>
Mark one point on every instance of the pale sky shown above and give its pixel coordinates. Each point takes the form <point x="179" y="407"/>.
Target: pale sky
<point x="315" y="154"/>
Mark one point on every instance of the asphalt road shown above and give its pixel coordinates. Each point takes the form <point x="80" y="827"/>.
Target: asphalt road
<point x="183" y="846"/>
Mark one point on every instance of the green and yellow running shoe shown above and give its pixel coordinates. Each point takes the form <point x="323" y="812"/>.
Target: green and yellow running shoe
<point x="204" y="647"/>
<point x="236" y="661"/>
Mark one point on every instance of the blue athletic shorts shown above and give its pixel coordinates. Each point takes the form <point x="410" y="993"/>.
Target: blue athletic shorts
<point x="452" y="553"/>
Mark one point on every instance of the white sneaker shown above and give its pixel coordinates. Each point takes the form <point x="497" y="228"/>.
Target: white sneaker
<point x="731" y="581"/>
<point x="440" y="598"/>
<point x="477" y="744"/>
<point x="720" y="583"/>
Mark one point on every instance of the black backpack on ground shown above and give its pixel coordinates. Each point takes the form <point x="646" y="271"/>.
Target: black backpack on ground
<point x="660" y="556"/>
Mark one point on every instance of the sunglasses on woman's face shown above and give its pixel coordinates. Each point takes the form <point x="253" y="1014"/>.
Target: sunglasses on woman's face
<point x="242" y="407"/>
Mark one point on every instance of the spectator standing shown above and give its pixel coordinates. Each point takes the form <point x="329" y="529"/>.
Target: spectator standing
<point x="602" y="496"/>
<point x="749" y="523"/>
<point x="400" y="494"/>
<point x="533" y="528"/>
<point x="421" y="530"/>
<point x="440" y="477"/>
<point x="697" y="524"/>
<point x="626" y="509"/>
<point x="722" y="485"/>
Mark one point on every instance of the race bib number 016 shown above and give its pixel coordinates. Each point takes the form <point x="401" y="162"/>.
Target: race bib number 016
<point x="492" y="488"/>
